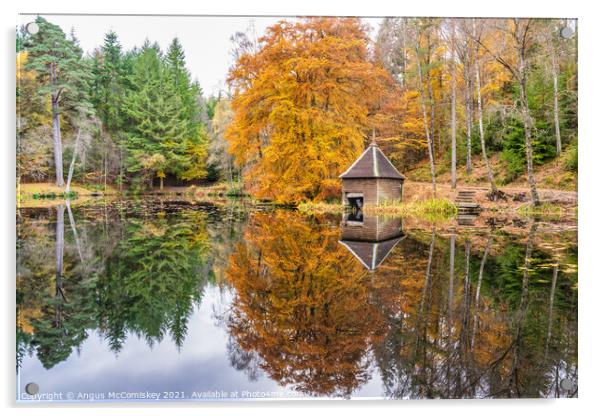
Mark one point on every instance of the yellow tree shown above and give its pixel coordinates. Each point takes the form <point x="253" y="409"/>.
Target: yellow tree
<point x="301" y="107"/>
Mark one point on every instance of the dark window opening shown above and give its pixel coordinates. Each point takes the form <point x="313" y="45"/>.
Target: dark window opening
<point x="356" y="202"/>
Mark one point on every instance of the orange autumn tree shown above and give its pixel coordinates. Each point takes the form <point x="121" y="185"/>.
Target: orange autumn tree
<point x="301" y="103"/>
<point x="302" y="305"/>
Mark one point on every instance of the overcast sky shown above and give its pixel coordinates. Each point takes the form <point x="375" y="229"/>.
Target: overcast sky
<point x="206" y="40"/>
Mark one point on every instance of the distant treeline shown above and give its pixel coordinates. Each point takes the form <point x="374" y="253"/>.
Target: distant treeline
<point x="131" y="115"/>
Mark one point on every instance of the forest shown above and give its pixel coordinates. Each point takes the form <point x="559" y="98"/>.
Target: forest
<point x="450" y="101"/>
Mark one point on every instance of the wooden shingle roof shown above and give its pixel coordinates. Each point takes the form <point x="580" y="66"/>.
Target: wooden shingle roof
<point x="372" y="164"/>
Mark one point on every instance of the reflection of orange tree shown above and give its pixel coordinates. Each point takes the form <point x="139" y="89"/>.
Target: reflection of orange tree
<point x="302" y="305"/>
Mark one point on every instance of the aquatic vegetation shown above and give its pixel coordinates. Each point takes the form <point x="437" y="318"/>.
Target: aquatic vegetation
<point x="430" y="209"/>
<point x="434" y="209"/>
<point x="546" y="209"/>
<point x="320" y="208"/>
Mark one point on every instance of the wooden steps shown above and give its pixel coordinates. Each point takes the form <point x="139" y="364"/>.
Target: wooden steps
<point x="466" y="220"/>
<point x="468" y="208"/>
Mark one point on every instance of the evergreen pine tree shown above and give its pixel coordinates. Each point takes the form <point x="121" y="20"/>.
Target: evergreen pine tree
<point x="63" y="75"/>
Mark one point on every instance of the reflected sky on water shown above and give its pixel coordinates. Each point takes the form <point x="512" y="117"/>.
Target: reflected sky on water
<point x="168" y="296"/>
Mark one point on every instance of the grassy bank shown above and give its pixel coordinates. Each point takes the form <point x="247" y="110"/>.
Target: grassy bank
<point x="546" y="210"/>
<point x="431" y="209"/>
<point x="321" y="207"/>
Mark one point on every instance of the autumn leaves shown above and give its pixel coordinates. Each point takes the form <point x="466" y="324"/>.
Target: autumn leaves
<point x="307" y="94"/>
<point x="302" y="103"/>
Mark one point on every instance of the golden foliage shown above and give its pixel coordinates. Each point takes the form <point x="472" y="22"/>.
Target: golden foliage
<point x="302" y="304"/>
<point x="301" y="105"/>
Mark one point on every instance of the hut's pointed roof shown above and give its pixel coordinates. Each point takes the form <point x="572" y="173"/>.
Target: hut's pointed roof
<point x="371" y="254"/>
<point x="372" y="164"/>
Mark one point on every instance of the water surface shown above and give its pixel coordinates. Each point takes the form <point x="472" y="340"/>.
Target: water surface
<point x="180" y="300"/>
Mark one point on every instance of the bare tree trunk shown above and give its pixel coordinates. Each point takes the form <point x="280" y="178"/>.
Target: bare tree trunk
<point x="58" y="146"/>
<point x="60" y="239"/>
<point x="72" y="164"/>
<point x="425" y="118"/>
<point x="453" y="104"/>
<point x="121" y="165"/>
<point x="450" y="295"/>
<point x="450" y="309"/>
<point x="556" y="117"/>
<point x="528" y="122"/>
<point x="59" y="252"/>
<point x="230" y="176"/>
<point x="106" y="157"/>
<point x="84" y="164"/>
<point x="478" y="291"/>
<point x="74" y="230"/>
<point x="404" y="57"/>
<point x="468" y="105"/>
<point x="427" y="283"/>
<point x="521" y="76"/>
<point x="480" y="112"/>
<point x="432" y="105"/>
<point x="550" y="312"/>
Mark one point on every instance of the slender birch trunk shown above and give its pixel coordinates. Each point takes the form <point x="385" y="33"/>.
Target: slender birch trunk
<point x="478" y="291"/>
<point x="521" y="76"/>
<point x="404" y="58"/>
<point x="453" y="104"/>
<point x="56" y="129"/>
<point x="468" y="106"/>
<point x="106" y="164"/>
<point x="74" y="230"/>
<point x="450" y="294"/>
<point x="59" y="252"/>
<point x="59" y="247"/>
<point x="522" y="312"/>
<point x="431" y="95"/>
<point x="480" y="112"/>
<point x="57" y="142"/>
<point x="551" y="312"/>
<point x="556" y="117"/>
<point x="121" y="164"/>
<point x="425" y="118"/>
<point x="84" y="164"/>
<point x="528" y="122"/>
<point x="72" y="164"/>
<point x="431" y="98"/>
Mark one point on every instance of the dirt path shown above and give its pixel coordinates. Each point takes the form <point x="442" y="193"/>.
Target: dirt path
<point x="421" y="190"/>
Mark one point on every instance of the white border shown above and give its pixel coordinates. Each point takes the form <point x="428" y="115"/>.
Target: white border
<point x="590" y="152"/>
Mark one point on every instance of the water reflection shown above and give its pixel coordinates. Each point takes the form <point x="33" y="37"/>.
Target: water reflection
<point x="323" y="306"/>
<point x="370" y="238"/>
<point x="302" y="305"/>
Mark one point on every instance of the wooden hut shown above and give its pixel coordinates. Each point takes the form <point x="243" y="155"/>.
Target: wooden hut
<point x="371" y="179"/>
<point x="370" y="238"/>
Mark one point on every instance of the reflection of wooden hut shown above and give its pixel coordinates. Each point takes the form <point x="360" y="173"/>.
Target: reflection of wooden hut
<point x="370" y="239"/>
<point x="371" y="179"/>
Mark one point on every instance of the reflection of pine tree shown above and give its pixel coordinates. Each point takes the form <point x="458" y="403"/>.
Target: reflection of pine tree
<point x="137" y="275"/>
<point x="153" y="280"/>
<point x="68" y="311"/>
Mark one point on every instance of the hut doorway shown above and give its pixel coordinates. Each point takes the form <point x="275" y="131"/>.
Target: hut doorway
<point x="355" y="200"/>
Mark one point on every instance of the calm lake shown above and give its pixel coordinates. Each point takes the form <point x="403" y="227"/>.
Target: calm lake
<point x="180" y="300"/>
